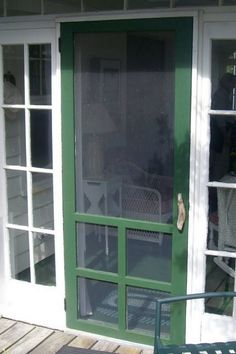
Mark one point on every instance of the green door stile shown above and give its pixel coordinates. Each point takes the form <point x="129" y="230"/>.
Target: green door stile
<point x="183" y="45"/>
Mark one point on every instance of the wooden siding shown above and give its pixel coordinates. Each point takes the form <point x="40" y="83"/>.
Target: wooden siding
<point x="22" y="338"/>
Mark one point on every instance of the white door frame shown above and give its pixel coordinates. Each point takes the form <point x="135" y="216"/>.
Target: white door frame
<point x="202" y="326"/>
<point x="22" y="300"/>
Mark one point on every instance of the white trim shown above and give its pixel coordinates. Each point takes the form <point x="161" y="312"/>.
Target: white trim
<point x="131" y="14"/>
<point x="18" y="299"/>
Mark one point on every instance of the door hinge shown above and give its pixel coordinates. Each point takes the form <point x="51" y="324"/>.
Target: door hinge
<point x="59" y="44"/>
<point x="65" y="304"/>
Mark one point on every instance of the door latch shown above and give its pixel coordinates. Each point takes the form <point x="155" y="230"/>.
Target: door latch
<point x="181" y="212"/>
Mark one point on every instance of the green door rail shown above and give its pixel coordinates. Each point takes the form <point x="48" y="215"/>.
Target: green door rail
<point x="160" y="348"/>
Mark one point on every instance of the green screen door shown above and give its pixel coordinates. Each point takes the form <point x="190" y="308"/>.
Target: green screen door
<point x="126" y="114"/>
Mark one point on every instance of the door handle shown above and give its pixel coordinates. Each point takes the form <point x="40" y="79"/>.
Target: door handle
<point x="181" y="212"/>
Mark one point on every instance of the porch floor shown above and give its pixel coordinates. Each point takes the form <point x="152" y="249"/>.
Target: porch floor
<point x="22" y="338"/>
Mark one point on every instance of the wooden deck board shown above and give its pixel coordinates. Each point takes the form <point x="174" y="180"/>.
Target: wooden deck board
<point x="123" y="349"/>
<point x="105" y="346"/>
<point x="83" y="342"/>
<point x="53" y="343"/>
<point x="22" y="338"/>
<point x="13" y="334"/>
<point x="30" y="341"/>
<point x="5" y="323"/>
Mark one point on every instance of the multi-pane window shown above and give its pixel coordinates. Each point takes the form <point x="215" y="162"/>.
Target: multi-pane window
<point x="28" y="161"/>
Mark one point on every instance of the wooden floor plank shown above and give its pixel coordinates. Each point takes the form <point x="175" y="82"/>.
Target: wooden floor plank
<point x="147" y="351"/>
<point x="13" y="334"/>
<point x="105" y="346"/>
<point x="5" y="323"/>
<point x="124" y="349"/>
<point x="53" y="343"/>
<point x="30" y="341"/>
<point x="83" y="342"/>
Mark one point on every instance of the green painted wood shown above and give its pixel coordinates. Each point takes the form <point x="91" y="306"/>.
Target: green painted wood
<point x="183" y="30"/>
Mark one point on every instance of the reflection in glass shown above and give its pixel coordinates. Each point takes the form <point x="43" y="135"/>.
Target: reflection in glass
<point x="40" y="73"/>
<point x="220" y="275"/>
<point x="196" y="3"/>
<point x="15" y="137"/>
<point x="96" y="5"/>
<point x="147" y="4"/>
<point x="42" y="185"/>
<point x="58" y="6"/>
<point x="41" y="138"/>
<point x="141" y="305"/>
<point x="17" y="197"/>
<point x="19" y="253"/>
<point x="1" y="8"/>
<point x="97" y="247"/>
<point x="22" y="8"/>
<point x="98" y="301"/>
<point x="127" y="101"/>
<point x="149" y="255"/>
<point x="44" y="259"/>
<point x="13" y="68"/>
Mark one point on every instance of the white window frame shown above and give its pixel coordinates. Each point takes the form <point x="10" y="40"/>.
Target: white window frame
<point x="20" y="299"/>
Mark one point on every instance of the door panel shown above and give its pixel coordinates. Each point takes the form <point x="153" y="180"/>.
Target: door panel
<point x="122" y="171"/>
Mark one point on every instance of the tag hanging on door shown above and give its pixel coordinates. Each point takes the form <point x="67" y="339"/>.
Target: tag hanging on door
<point x="181" y="213"/>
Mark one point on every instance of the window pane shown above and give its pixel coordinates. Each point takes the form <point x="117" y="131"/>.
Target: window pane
<point x="94" y="5"/>
<point x="97" y="247"/>
<point x="220" y="277"/>
<point x="127" y="85"/>
<point x="43" y="200"/>
<point x="17" y="197"/>
<point x="1" y="7"/>
<point x="41" y="138"/>
<point x="19" y="253"/>
<point x="141" y="305"/>
<point x="196" y="2"/>
<point x="40" y="73"/>
<point x="98" y="301"/>
<point x="149" y="255"/>
<point x="44" y="259"/>
<point x="26" y="7"/>
<point x="13" y="68"/>
<point x="15" y="137"/>
<point x="60" y="6"/>
<point x="147" y="4"/>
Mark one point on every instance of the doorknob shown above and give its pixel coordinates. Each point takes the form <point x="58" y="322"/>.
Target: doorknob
<point x="181" y="213"/>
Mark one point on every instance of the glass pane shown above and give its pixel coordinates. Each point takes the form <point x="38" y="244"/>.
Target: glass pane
<point x="41" y="138"/>
<point x="19" y="253"/>
<point x="220" y="275"/>
<point x="98" y="301"/>
<point x="61" y="6"/>
<point x="97" y="247"/>
<point x="1" y="7"/>
<point x="196" y="2"/>
<point x="141" y="305"/>
<point x="40" y="73"/>
<point x="43" y="200"/>
<point x="15" y="137"/>
<point x="17" y="197"/>
<point x="228" y="2"/>
<point x="142" y="4"/>
<point x="20" y="8"/>
<point x="124" y="80"/>
<point x="44" y="259"/>
<point x="149" y="255"/>
<point x="94" y="5"/>
<point x="223" y="75"/>
<point x="13" y="68"/>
